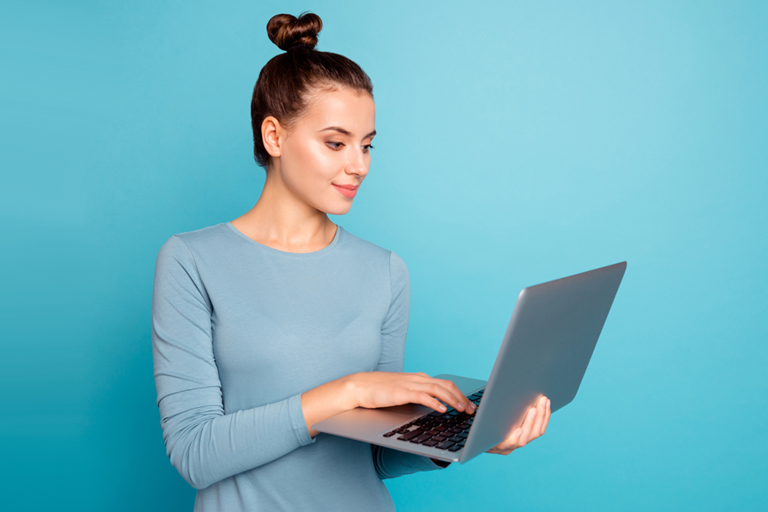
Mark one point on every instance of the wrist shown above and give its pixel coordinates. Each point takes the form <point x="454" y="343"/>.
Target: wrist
<point x="348" y="391"/>
<point x="326" y="400"/>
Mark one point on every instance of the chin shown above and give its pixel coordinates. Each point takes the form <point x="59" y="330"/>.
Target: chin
<point x="339" y="209"/>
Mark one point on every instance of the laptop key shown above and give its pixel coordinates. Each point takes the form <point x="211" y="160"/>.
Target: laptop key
<point x="410" y="435"/>
<point x="430" y="442"/>
<point x="455" y="448"/>
<point x="420" y="439"/>
<point x="445" y="445"/>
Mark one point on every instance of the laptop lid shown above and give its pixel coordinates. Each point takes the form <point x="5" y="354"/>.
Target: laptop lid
<point x="546" y="349"/>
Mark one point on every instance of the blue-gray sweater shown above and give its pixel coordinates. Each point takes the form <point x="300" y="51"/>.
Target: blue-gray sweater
<point x="239" y="331"/>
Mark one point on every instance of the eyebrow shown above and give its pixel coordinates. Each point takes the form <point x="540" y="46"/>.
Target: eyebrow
<point x="346" y="132"/>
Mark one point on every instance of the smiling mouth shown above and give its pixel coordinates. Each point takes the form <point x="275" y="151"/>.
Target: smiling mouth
<point x="347" y="190"/>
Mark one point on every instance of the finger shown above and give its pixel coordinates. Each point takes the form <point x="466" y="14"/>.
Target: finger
<point x="509" y="444"/>
<point x="434" y="389"/>
<point x="424" y="398"/>
<point x="546" y="417"/>
<point x="459" y="402"/>
<point x="541" y="411"/>
<point x="534" y="422"/>
<point x="468" y="406"/>
<point x="527" y="426"/>
<point x="438" y="391"/>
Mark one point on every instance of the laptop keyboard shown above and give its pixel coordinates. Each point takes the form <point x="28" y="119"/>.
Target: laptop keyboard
<point x="444" y="431"/>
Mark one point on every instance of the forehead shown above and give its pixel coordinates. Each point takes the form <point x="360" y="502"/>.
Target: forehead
<point x="353" y="110"/>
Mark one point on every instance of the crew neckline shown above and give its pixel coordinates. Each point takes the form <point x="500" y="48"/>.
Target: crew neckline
<point x="324" y="250"/>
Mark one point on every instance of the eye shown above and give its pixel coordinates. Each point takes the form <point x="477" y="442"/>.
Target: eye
<point x="335" y="145"/>
<point x="367" y="148"/>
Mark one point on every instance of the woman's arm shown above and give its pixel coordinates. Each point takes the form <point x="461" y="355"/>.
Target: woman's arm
<point x="204" y="444"/>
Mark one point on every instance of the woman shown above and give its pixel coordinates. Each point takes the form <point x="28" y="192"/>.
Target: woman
<point x="270" y="323"/>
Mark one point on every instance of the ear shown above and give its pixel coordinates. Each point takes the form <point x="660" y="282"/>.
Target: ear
<point x="272" y="135"/>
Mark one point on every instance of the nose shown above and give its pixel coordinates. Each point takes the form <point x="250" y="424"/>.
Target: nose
<point x="358" y="163"/>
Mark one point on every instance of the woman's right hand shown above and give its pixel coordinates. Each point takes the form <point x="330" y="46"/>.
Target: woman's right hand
<point x="385" y="389"/>
<point x="379" y="389"/>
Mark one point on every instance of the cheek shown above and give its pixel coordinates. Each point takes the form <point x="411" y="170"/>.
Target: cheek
<point x="321" y="161"/>
<point x="310" y="167"/>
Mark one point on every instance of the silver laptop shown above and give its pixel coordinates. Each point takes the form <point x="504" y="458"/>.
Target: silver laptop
<point x="545" y="351"/>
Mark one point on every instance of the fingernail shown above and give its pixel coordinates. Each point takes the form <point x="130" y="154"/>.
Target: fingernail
<point x="460" y="406"/>
<point x="548" y="403"/>
<point x="442" y="407"/>
<point x="519" y="432"/>
<point x="533" y="413"/>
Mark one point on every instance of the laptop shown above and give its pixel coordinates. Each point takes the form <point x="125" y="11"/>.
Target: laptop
<point x="545" y="351"/>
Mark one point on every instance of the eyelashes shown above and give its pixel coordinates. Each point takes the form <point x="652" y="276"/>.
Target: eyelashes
<point x="336" y="146"/>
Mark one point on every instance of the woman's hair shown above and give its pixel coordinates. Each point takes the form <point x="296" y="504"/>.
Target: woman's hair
<point x="286" y="82"/>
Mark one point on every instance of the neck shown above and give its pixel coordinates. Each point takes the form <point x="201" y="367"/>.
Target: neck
<point x="283" y="221"/>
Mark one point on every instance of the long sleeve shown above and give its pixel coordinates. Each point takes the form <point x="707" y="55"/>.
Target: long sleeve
<point x="203" y="443"/>
<point x="391" y="463"/>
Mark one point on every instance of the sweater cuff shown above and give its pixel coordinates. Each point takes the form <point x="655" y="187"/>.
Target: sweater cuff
<point x="298" y="424"/>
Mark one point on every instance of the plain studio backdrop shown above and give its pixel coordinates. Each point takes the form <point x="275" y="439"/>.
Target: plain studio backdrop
<point x="518" y="142"/>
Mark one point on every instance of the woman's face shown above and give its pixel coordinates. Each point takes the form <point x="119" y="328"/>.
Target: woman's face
<point x="325" y="155"/>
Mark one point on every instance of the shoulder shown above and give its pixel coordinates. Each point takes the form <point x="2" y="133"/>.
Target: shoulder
<point x="195" y="241"/>
<point x="188" y="247"/>
<point x="398" y="270"/>
<point x="202" y="237"/>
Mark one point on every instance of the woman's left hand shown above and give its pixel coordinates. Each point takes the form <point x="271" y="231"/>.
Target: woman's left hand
<point x="534" y="425"/>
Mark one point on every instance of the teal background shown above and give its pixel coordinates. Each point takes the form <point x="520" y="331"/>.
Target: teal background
<point x="518" y="142"/>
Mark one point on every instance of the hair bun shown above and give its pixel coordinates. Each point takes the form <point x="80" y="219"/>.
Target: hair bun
<point x="287" y="31"/>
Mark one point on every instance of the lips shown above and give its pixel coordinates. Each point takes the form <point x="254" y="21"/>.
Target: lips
<point x="347" y="190"/>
